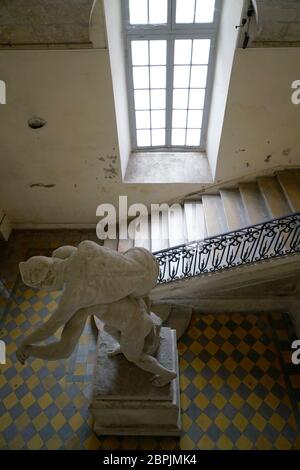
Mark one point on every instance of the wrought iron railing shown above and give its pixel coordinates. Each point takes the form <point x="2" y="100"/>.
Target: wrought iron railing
<point x="278" y="237"/>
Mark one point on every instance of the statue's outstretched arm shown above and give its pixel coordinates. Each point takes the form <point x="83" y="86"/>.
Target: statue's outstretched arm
<point x="65" y="346"/>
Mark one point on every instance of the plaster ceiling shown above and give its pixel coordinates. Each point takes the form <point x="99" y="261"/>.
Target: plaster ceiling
<point x="278" y="23"/>
<point x="46" y="22"/>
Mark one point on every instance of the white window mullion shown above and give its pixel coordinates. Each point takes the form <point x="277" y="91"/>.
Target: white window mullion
<point x="169" y="91"/>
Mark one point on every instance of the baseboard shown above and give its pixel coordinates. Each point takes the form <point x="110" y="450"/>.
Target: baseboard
<point x="66" y="226"/>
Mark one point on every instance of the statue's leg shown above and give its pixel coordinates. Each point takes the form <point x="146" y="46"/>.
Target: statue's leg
<point x="132" y="348"/>
<point x="116" y="335"/>
<point x="65" y="346"/>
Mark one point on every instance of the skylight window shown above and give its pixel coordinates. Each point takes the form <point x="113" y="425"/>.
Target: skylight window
<point x="195" y="11"/>
<point x="148" y="11"/>
<point x="170" y="56"/>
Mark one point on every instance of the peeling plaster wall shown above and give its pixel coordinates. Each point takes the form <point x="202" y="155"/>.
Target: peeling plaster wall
<point x="37" y="22"/>
<point x="261" y="126"/>
<point x="226" y="46"/>
<point x="278" y="23"/>
<point x="60" y="173"/>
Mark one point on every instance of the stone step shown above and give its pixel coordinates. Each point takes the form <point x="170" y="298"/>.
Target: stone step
<point x="177" y="228"/>
<point x="214" y="214"/>
<point x="234" y="209"/>
<point x="159" y="230"/>
<point x="195" y="222"/>
<point x="254" y="203"/>
<point x="142" y="236"/>
<point x="273" y="195"/>
<point x="290" y="183"/>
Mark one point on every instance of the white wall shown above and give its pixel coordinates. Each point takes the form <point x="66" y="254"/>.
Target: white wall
<point x="261" y="126"/>
<point x="76" y="152"/>
<point x="114" y="27"/>
<point x="225" y="50"/>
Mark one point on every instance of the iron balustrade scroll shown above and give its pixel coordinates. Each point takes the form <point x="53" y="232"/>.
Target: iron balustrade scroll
<point x="278" y="237"/>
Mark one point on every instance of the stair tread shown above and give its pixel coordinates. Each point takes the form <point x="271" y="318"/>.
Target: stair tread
<point x="142" y="237"/>
<point x="254" y="203"/>
<point x="290" y="183"/>
<point x="234" y="210"/>
<point x="159" y="230"/>
<point x="177" y="228"/>
<point x="274" y="196"/>
<point x="215" y="218"/>
<point x="195" y="222"/>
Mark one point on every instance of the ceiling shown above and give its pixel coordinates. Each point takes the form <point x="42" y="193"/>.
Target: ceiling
<point x="277" y="23"/>
<point x="40" y="22"/>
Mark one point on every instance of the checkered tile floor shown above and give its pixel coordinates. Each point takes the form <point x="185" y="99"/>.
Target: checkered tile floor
<point x="238" y="388"/>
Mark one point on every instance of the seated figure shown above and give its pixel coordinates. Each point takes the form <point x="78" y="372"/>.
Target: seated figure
<point x="101" y="282"/>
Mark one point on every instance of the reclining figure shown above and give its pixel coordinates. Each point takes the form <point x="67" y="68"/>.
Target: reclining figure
<point x="101" y="282"/>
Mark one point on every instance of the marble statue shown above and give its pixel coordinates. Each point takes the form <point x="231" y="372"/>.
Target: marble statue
<point x="110" y="285"/>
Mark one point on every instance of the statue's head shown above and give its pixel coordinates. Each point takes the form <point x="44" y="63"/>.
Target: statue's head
<point x="40" y="272"/>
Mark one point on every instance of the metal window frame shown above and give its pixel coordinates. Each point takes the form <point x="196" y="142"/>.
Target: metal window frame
<point x="170" y="32"/>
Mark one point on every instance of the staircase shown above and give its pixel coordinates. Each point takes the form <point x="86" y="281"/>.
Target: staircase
<point x="211" y="215"/>
<point x="253" y="228"/>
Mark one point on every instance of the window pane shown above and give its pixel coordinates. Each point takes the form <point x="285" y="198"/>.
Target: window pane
<point x="183" y="51"/>
<point x="158" y="11"/>
<point x="178" y="137"/>
<point x="198" y="76"/>
<point x="205" y="11"/>
<point x="141" y="99"/>
<point x="181" y="76"/>
<point x="158" y="137"/>
<point x="138" y="11"/>
<point x="195" y="119"/>
<point x="185" y="11"/>
<point x="201" y="51"/>
<point x="193" y="137"/>
<point x="158" y="77"/>
<point x="179" y="119"/>
<point x="158" y="52"/>
<point x="143" y="138"/>
<point x="180" y="99"/>
<point x="141" y="77"/>
<point x="158" y="99"/>
<point x="158" y="119"/>
<point x="139" y="52"/>
<point x="142" y="119"/>
<point x="196" y="100"/>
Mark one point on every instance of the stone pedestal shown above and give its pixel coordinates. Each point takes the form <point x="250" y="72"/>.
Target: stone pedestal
<point x="124" y="400"/>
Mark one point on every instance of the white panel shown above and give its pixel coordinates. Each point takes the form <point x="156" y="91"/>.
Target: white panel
<point x="158" y="11"/>
<point x="157" y="77"/>
<point x="158" y="52"/>
<point x="201" y="49"/>
<point x="183" y="51"/>
<point x="140" y="52"/>
<point x="205" y="11"/>
<point x="185" y="11"/>
<point x="138" y="11"/>
<point x="141" y="77"/>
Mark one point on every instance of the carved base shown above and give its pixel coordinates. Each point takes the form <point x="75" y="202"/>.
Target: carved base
<point x="124" y="400"/>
